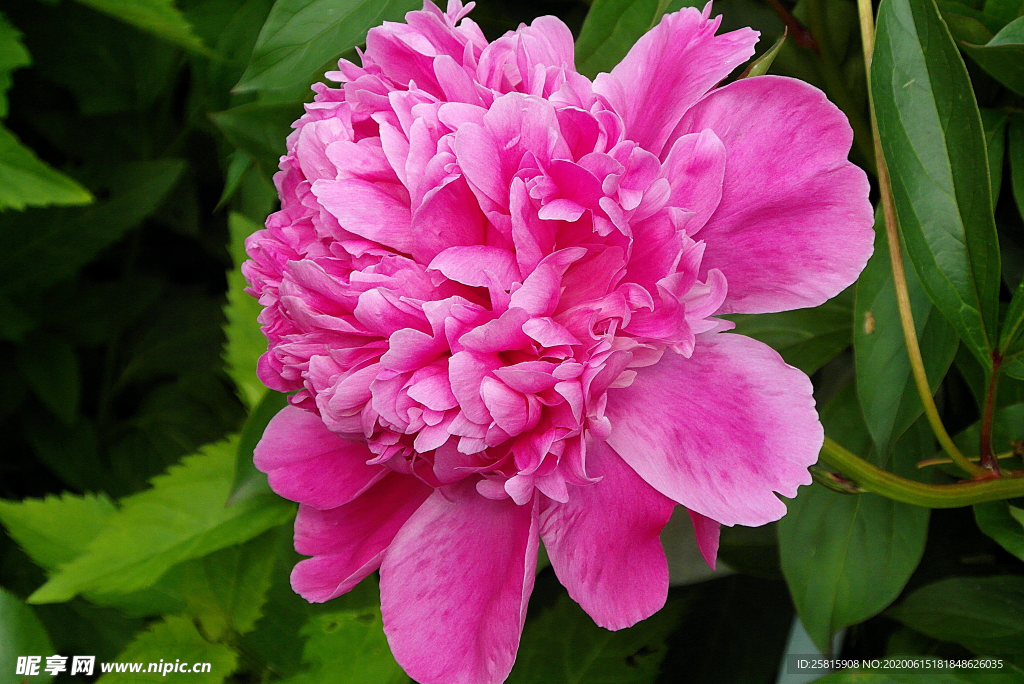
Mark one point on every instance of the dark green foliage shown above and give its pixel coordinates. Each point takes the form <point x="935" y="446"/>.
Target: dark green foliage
<point x="563" y="644"/>
<point x="846" y="557"/>
<point x="138" y="139"/>
<point x="939" y="167"/>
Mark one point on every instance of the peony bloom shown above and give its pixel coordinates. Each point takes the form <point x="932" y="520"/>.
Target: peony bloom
<point x="492" y="287"/>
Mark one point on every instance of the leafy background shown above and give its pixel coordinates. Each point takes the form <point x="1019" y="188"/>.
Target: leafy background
<point x="137" y="145"/>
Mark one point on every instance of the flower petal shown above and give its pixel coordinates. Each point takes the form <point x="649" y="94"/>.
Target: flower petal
<point x="349" y="541"/>
<point x="368" y="211"/>
<point x="472" y="264"/>
<point x="695" y="168"/>
<point x="720" y="431"/>
<point x="793" y="228"/>
<point x="454" y="587"/>
<point x="669" y="69"/>
<point x="604" y="543"/>
<point x="707" y="532"/>
<point x="306" y="462"/>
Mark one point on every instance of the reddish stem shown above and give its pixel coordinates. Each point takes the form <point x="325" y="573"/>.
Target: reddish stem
<point x="988" y="457"/>
<point x="801" y="36"/>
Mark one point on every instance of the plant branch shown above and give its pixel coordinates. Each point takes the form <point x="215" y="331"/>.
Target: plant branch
<point x="878" y="481"/>
<point x="898" y="271"/>
<point x="924" y="463"/>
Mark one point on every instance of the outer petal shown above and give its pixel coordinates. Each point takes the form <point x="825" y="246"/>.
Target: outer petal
<point x="348" y="542"/>
<point x="669" y="69"/>
<point x="794" y="225"/>
<point x="306" y="462"/>
<point x="707" y="532"/>
<point x="604" y="542"/>
<point x="721" y="431"/>
<point x="455" y="584"/>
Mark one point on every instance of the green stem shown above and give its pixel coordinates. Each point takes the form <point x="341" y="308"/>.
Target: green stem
<point x="835" y="82"/>
<point x="899" y="273"/>
<point x="879" y="481"/>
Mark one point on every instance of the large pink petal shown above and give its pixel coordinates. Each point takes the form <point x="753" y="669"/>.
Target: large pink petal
<point x="719" y="432"/>
<point x="306" y="462"/>
<point x="477" y="265"/>
<point x="669" y="69"/>
<point x="368" y="211"/>
<point x="794" y="225"/>
<point x="454" y="587"/>
<point x="604" y="544"/>
<point x="347" y="543"/>
<point x="448" y="216"/>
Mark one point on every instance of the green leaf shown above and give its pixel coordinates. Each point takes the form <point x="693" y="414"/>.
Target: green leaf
<point x="966" y="23"/>
<point x="173" y="637"/>
<point x="276" y="643"/>
<point x="175" y="419"/>
<point x="934" y="144"/>
<point x="50" y="366"/>
<point x="259" y="129"/>
<point x="109" y="66"/>
<point x="231" y="28"/>
<point x="348" y="648"/>
<point x="1013" y="323"/>
<point x="613" y="26"/>
<point x="1008" y="675"/>
<point x="1015" y="151"/>
<point x="249" y="481"/>
<point x="14" y="322"/>
<point x="806" y="338"/>
<point x="761" y="65"/>
<point x="159" y="17"/>
<point x="888" y="395"/>
<point x="225" y="591"/>
<point x="1004" y="523"/>
<point x="72" y="452"/>
<point x="43" y="247"/>
<point x="564" y="645"/>
<point x="994" y="121"/>
<point x="183" y="516"/>
<point x="245" y="341"/>
<point x="185" y="333"/>
<point x="1004" y="11"/>
<point x="300" y="36"/>
<point x="1007" y="428"/>
<point x="983" y="614"/>
<point x="55" y="530"/>
<point x="83" y="628"/>
<point x="846" y="557"/>
<point x="1003" y="56"/>
<point x="21" y="634"/>
<point x="610" y="30"/>
<point x="240" y="162"/>
<point x="25" y="181"/>
<point x="13" y="55"/>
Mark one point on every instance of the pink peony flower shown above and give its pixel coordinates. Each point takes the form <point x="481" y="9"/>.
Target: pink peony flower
<point x="492" y="286"/>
